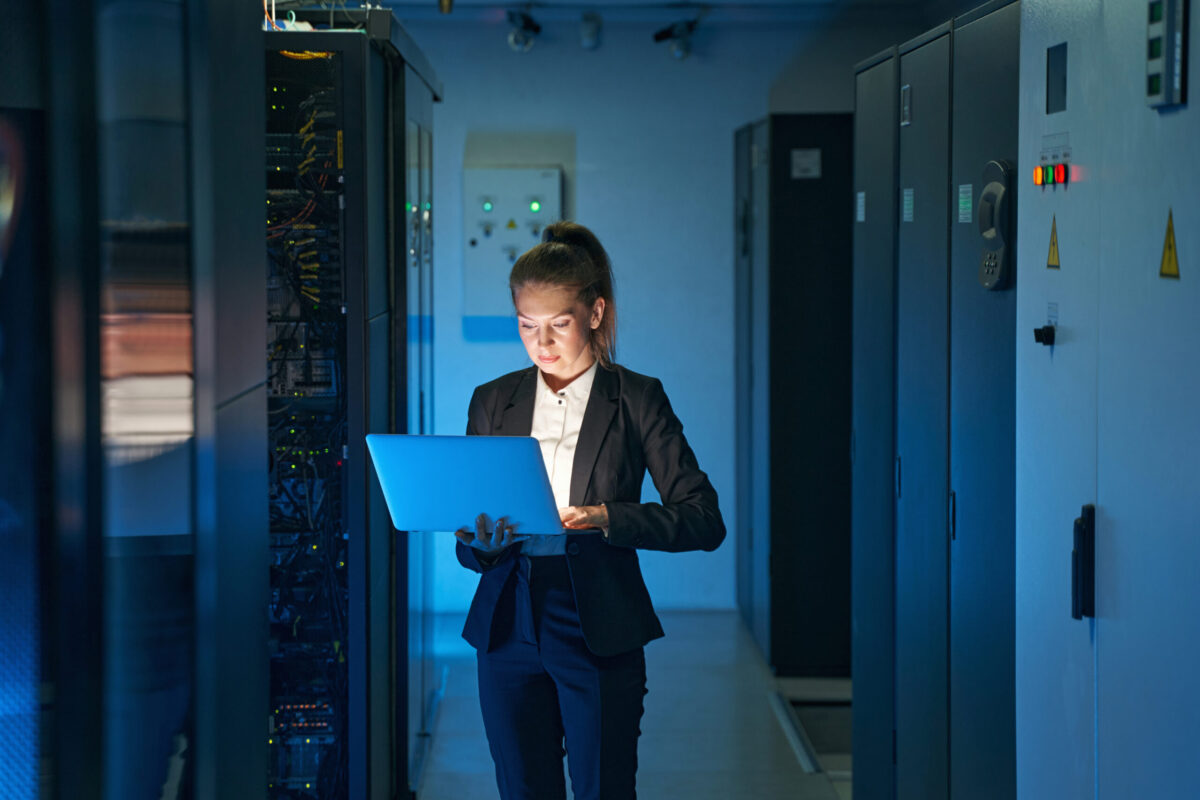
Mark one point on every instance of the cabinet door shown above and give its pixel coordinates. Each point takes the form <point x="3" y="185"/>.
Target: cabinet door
<point x="760" y="399"/>
<point x="1148" y="515"/>
<point x="1056" y="425"/>
<point x="982" y="424"/>
<point x="742" y="395"/>
<point x="922" y="352"/>
<point x="873" y="454"/>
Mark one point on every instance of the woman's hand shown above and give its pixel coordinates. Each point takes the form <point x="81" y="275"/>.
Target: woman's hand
<point x="488" y="537"/>
<point x="577" y="517"/>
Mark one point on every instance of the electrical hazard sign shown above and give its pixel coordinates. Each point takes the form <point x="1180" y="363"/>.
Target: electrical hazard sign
<point x="1052" y="256"/>
<point x="1170" y="258"/>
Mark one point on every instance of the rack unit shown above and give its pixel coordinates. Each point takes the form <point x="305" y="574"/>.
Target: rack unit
<point x="347" y="112"/>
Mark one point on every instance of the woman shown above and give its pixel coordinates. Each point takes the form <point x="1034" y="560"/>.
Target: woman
<point x="559" y="621"/>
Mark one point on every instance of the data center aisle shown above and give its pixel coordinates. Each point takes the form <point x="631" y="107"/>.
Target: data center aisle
<point x="709" y="733"/>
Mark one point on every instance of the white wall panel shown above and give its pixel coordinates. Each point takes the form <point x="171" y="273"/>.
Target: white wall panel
<point x="1108" y="708"/>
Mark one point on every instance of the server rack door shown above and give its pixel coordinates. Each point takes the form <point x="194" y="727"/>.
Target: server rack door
<point x="873" y="428"/>
<point x="25" y="403"/>
<point x="810" y="165"/>
<point x="378" y="185"/>
<point x="982" y="421"/>
<point x="743" y="211"/>
<point x="922" y="352"/>
<point x="162" y="560"/>
<point x="760" y="411"/>
<point x="416" y="678"/>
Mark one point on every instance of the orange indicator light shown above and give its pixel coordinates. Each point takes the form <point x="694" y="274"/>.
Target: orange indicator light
<point x="1037" y="176"/>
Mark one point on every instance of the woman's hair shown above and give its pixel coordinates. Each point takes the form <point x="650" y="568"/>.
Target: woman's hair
<point x="570" y="256"/>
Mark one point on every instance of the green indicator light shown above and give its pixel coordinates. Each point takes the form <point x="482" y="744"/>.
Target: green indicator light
<point x="535" y="206"/>
<point x="428" y="206"/>
<point x="487" y="205"/>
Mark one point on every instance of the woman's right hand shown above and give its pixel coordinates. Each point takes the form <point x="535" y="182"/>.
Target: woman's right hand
<point x="489" y="537"/>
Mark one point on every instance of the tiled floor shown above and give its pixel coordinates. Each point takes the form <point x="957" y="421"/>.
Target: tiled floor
<point x="709" y="732"/>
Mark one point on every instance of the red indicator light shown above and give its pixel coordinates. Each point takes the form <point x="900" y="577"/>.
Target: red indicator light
<point x="1037" y="176"/>
<point x="1060" y="173"/>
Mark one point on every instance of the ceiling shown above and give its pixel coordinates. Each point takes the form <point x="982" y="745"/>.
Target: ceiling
<point x="745" y="11"/>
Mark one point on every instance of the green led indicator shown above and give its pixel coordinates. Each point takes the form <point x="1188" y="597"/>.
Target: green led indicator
<point x="428" y="206"/>
<point x="535" y="206"/>
<point x="408" y="207"/>
<point x="487" y="205"/>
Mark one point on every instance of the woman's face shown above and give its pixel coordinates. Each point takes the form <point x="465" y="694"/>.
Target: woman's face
<point x="556" y="330"/>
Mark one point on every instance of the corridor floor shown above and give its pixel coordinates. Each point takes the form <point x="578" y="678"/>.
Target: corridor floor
<point x="709" y="732"/>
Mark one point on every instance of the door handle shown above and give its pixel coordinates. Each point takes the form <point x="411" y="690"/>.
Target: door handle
<point x="1083" y="565"/>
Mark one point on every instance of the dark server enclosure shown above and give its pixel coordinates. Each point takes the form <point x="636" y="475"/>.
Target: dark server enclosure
<point x="25" y="506"/>
<point x="351" y="672"/>
<point x="982" y="419"/>
<point x="794" y="309"/>
<point x="922" y="418"/>
<point x="873" y="416"/>
<point x="953" y="474"/>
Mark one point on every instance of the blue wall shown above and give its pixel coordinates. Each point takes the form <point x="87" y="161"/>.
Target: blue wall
<point x="653" y="176"/>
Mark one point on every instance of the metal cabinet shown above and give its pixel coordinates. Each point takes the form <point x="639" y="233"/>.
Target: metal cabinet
<point x="793" y="404"/>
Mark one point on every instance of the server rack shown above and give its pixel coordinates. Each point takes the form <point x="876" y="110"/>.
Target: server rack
<point x="950" y="98"/>
<point x="342" y="107"/>
<point x="793" y="298"/>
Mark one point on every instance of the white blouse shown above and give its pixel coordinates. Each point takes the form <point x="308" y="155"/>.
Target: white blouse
<point x="557" y="417"/>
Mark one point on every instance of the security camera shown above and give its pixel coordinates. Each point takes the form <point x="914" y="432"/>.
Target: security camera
<point x="679" y="34"/>
<point x="524" y="31"/>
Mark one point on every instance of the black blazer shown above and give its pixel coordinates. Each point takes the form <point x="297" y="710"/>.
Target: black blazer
<point x="628" y="427"/>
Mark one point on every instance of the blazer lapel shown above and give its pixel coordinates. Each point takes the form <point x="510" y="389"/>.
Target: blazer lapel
<point x="517" y="417"/>
<point x="597" y="417"/>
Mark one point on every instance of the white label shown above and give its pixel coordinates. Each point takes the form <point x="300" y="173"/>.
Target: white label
<point x="860" y="207"/>
<point x="806" y="163"/>
<point x="1052" y="313"/>
<point x="966" y="194"/>
<point x="907" y="206"/>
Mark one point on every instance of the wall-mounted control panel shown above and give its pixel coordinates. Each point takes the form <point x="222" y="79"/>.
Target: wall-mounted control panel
<point x="1166" y="53"/>
<point x="504" y="213"/>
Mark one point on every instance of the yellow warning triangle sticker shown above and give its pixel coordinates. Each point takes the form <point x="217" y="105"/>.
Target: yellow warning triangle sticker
<point x="1170" y="259"/>
<point x="512" y="225"/>
<point x="1052" y="258"/>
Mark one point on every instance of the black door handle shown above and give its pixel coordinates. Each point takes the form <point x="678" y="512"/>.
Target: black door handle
<point x="1083" y="565"/>
<point x="1044" y="335"/>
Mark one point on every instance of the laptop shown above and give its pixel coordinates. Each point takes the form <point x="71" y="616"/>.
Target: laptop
<point x="442" y="483"/>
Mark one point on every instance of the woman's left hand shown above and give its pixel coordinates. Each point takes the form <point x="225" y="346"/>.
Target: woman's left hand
<point x="578" y="517"/>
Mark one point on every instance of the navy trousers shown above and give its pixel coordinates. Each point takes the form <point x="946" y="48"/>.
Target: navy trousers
<point x="541" y="686"/>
